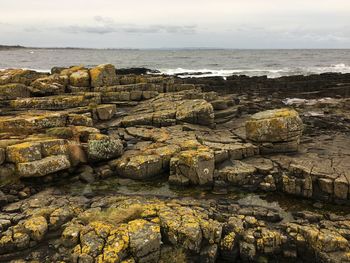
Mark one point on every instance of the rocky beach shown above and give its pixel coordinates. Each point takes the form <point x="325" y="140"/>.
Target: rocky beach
<point x="99" y="164"/>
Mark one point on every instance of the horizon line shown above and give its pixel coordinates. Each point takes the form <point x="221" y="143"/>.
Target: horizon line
<point x="163" y="48"/>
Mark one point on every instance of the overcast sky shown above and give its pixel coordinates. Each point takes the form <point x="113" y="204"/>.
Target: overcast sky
<point x="176" y="23"/>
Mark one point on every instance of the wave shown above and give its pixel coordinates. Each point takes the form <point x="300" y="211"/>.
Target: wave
<point x="269" y="72"/>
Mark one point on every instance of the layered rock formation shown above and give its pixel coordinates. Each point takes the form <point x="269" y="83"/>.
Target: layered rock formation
<point x="277" y="130"/>
<point x="82" y="125"/>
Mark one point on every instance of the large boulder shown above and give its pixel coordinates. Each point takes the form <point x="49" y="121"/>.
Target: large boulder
<point x="80" y="78"/>
<point x="196" y="165"/>
<point x="28" y="123"/>
<point x="24" y="152"/>
<point x="52" y="85"/>
<point x="103" y="75"/>
<point x="196" y="112"/>
<point x="145" y="240"/>
<point x="144" y="164"/>
<point x="13" y="91"/>
<point x="278" y="130"/>
<point x="36" y="227"/>
<point x="105" y="111"/>
<point x="101" y="147"/>
<point x="44" y="166"/>
<point x="139" y="166"/>
<point x="58" y="102"/>
<point x="23" y="76"/>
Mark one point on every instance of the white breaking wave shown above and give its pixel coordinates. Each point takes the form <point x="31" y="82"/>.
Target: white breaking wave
<point x="271" y="73"/>
<point x="219" y="72"/>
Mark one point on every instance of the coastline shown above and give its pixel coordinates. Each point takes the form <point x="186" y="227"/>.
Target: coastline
<point x="203" y="169"/>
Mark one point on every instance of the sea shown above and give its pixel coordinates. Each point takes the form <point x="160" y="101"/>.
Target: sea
<point x="187" y="62"/>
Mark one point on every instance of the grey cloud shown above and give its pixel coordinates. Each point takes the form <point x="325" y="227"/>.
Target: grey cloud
<point x="4" y="24"/>
<point x="105" y="25"/>
<point x="295" y="33"/>
<point x="32" y="29"/>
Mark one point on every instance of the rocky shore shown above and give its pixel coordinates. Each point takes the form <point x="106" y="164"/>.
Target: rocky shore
<point x="219" y="155"/>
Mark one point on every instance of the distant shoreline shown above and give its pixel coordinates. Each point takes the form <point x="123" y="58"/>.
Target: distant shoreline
<point x="7" y="47"/>
<point x="10" y="47"/>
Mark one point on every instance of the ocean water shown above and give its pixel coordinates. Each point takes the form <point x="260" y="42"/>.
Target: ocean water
<point x="220" y="62"/>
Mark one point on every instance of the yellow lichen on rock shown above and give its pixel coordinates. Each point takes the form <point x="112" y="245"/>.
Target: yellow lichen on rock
<point x="36" y="227"/>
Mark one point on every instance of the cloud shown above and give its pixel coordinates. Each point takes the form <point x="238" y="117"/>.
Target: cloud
<point x="4" y="24"/>
<point x="32" y="29"/>
<point x="106" y="25"/>
<point x="294" y="33"/>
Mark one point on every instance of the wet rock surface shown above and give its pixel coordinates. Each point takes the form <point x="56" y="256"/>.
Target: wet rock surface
<point x="98" y="166"/>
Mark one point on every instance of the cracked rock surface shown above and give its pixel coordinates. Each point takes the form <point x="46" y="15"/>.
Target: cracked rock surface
<point x="97" y="166"/>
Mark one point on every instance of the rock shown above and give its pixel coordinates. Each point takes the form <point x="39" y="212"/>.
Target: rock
<point x="268" y="184"/>
<point x="229" y="247"/>
<point x="44" y="166"/>
<point x="36" y="227"/>
<point x="69" y="71"/>
<point x="196" y="165"/>
<point x="275" y="127"/>
<point x="209" y="254"/>
<point x="297" y="186"/>
<point x="60" y="216"/>
<point x="4" y="224"/>
<point x="145" y="240"/>
<point x="239" y="173"/>
<point x="139" y="119"/>
<point x="101" y="147"/>
<point x="58" y="102"/>
<point x="24" y="152"/>
<point x="117" y="245"/>
<point x="52" y="85"/>
<point x="23" y="76"/>
<point x="61" y="132"/>
<point x="53" y="147"/>
<point x="3" y="200"/>
<point x="150" y="161"/>
<point x="178" y="179"/>
<point x="105" y="112"/>
<point x="247" y="251"/>
<point x="13" y="91"/>
<point x="341" y="188"/>
<point x="269" y="242"/>
<point x="80" y="78"/>
<point x="219" y="104"/>
<point x="80" y="120"/>
<point x="104" y="171"/>
<point x="2" y="155"/>
<point x="103" y="75"/>
<point x="233" y="151"/>
<point x="321" y="240"/>
<point x="91" y="244"/>
<point x="70" y="235"/>
<point x="326" y="185"/>
<point x="195" y="111"/>
<point x="181" y="228"/>
<point x="32" y="122"/>
<point x="7" y="173"/>
<point x="83" y="133"/>
<point x="139" y="166"/>
<point x="86" y="174"/>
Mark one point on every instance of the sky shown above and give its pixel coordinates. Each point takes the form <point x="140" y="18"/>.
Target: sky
<point x="176" y="24"/>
